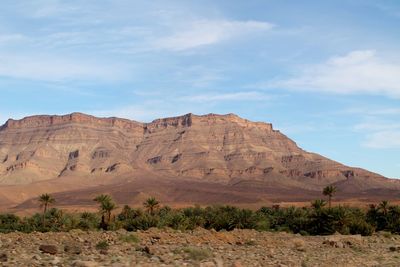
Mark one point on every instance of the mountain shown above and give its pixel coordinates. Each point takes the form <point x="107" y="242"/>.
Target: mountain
<point x="186" y="159"/>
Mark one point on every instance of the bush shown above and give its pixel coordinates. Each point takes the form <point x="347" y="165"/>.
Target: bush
<point x="9" y="223"/>
<point x="130" y="238"/>
<point x="197" y="254"/>
<point x="88" y="221"/>
<point x="306" y="221"/>
<point x="102" y="245"/>
<point x="361" y="227"/>
<point x="142" y="222"/>
<point x="176" y="220"/>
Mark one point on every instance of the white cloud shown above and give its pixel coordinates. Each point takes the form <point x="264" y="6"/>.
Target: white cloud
<point x="198" y="76"/>
<point x="146" y="112"/>
<point x="373" y="111"/>
<point x="48" y="8"/>
<point x="56" y="68"/>
<point x="11" y="38"/>
<point x="206" y="32"/>
<point x="380" y="134"/>
<point x="383" y="139"/>
<point x="377" y="126"/>
<point x="142" y="113"/>
<point x="161" y="106"/>
<point x="357" y="72"/>
<point x="238" y="96"/>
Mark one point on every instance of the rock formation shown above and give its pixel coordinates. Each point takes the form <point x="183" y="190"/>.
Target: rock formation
<point x="246" y="161"/>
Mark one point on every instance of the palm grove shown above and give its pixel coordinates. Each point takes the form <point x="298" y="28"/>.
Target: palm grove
<point x="318" y="219"/>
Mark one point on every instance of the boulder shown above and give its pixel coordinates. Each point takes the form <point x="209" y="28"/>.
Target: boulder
<point x="50" y="249"/>
<point x="3" y="257"/>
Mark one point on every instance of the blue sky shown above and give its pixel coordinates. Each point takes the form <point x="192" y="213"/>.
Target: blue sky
<point x="326" y="73"/>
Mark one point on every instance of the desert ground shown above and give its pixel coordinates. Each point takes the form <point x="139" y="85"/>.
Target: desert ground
<point x="167" y="247"/>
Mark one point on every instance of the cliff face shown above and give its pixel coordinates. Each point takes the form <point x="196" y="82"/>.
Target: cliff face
<point x="213" y="148"/>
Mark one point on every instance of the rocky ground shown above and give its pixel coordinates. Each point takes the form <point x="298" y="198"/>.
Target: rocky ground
<point x="197" y="248"/>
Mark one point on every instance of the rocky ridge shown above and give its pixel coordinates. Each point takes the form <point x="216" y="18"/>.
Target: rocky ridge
<point x="45" y="152"/>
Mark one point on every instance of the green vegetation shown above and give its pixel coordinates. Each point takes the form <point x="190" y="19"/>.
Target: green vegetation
<point x="45" y="200"/>
<point x="151" y="204"/>
<point x="329" y="191"/>
<point x="318" y="204"/>
<point x="197" y="254"/>
<point x="102" y="245"/>
<point x="107" y="205"/>
<point x="314" y="220"/>
<point x="130" y="238"/>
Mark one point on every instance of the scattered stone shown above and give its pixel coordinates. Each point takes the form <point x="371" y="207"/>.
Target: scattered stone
<point x="334" y="241"/>
<point x="237" y="264"/>
<point x="156" y="258"/>
<point x="72" y="249"/>
<point x="219" y="262"/>
<point x="393" y="248"/>
<point x="56" y="261"/>
<point x="79" y="263"/>
<point x="36" y="257"/>
<point x="3" y="257"/>
<point x="199" y="247"/>
<point x="147" y="250"/>
<point x="299" y="244"/>
<point x="50" y="249"/>
<point x="103" y="252"/>
<point x="207" y="264"/>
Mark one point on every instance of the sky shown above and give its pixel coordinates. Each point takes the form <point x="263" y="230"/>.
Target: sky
<point x="325" y="73"/>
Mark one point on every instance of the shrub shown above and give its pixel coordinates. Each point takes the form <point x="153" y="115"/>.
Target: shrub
<point x="130" y="238"/>
<point x="142" y="222"/>
<point x="197" y="254"/>
<point x="88" y="221"/>
<point x="361" y="227"/>
<point x="176" y="220"/>
<point x="9" y="223"/>
<point x="306" y="221"/>
<point x="102" y="245"/>
<point x="262" y="224"/>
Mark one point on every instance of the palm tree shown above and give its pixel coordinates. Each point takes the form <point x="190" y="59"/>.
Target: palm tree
<point x="329" y="191"/>
<point x="45" y="200"/>
<point x="318" y="204"/>
<point x="126" y="212"/>
<point x="101" y="198"/>
<point x="107" y="205"/>
<point x="384" y="207"/>
<point x="151" y="204"/>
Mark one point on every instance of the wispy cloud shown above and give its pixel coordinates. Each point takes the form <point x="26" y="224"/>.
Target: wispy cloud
<point x="203" y="32"/>
<point x="383" y="139"/>
<point x="56" y="68"/>
<point x="373" y="111"/>
<point x="217" y="97"/>
<point x="65" y="38"/>
<point x="377" y="126"/>
<point x="6" y="39"/>
<point x="141" y="112"/>
<point x="357" y="72"/>
<point x="380" y="134"/>
<point x="175" y="105"/>
<point x="386" y="7"/>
